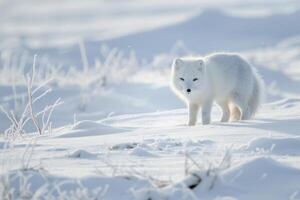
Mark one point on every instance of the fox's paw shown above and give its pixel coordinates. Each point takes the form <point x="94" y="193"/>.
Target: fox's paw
<point x="191" y="123"/>
<point x="205" y="122"/>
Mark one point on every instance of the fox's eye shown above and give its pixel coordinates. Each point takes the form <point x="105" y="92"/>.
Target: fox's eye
<point x="182" y="79"/>
<point x="195" y="79"/>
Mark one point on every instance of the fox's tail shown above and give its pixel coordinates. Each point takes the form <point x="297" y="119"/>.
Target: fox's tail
<point x="257" y="95"/>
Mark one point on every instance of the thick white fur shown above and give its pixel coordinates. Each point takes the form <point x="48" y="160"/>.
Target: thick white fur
<point x="228" y="79"/>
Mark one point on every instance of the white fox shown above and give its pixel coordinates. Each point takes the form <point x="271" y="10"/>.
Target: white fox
<point x="225" y="78"/>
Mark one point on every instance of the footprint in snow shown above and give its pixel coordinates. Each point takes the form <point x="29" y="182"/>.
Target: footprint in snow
<point x="82" y="154"/>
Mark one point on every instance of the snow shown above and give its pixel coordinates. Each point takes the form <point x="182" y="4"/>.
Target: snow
<point x="43" y="185"/>
<point x="121" y="132"/>
<point x="259" y="177"/>
<point x="255" y="179"/>
<point x="90" y="128"/>
<point x="282" y="146"/>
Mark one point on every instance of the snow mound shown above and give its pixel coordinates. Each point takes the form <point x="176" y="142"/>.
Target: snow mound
<point x="82" y="154"/>
<point x="91" y="128"/>
<point x="261" y="177"/>
<point x="279" y="146"/>
<point x="287" y="102"/>
<point x="36" y="184"/>
<point x="150" y="120"/>
<point x="87" y="124"/>
<point x="124" y="146"/>
<point x="255" y="179"/>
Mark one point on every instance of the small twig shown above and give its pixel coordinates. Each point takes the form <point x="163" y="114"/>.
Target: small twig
<point x="30" y="103"/>
<point x="83" y="56"/>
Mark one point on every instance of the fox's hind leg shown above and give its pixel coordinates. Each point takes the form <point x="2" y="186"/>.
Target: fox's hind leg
<point x="235" y="113"/>
<point x="225" y="109"/>
<point x="241" y="102"/>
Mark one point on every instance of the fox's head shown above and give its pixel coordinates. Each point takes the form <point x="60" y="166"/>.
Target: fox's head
<point x="188" y="76"/>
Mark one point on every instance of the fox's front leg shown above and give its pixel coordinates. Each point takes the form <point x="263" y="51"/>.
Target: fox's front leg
<point x="206" y="112"/>
<point x="193" y="113"/>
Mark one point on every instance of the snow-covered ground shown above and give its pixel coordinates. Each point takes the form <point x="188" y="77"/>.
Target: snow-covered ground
<point x="120" y="132"/>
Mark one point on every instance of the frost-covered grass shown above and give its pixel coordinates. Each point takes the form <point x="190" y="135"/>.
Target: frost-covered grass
<point x="83" y="83"/>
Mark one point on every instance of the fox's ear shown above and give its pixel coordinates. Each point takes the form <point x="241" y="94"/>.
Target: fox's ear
<point x="178" y="63"/>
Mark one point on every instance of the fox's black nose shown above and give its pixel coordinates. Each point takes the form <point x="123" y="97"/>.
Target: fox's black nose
<point x="188" y="90"/>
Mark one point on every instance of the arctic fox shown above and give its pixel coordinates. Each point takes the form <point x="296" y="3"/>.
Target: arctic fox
<point x="225" y="78"/>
